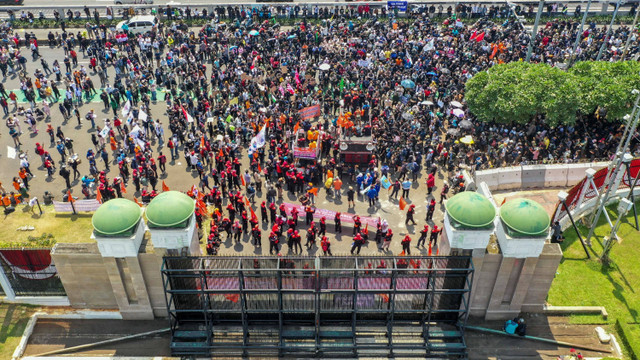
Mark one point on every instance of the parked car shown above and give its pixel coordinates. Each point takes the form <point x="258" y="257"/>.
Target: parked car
<point x="139" y="24"/>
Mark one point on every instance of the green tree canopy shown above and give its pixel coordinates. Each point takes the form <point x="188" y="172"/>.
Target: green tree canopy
<point x="518" y="91"/>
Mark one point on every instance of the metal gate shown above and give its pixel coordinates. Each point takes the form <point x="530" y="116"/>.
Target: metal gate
<point x="318" y="306"/>
<point x="31" y="272"/>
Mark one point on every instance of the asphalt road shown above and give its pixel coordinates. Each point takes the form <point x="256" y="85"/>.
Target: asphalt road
<point x="178" y="176"/>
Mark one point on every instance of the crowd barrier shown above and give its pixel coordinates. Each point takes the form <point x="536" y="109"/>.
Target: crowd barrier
<point x="524" y="177"/>
<point x="411" y="6"/>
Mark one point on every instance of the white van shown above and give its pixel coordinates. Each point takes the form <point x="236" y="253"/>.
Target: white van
<point x="139" y="24"/>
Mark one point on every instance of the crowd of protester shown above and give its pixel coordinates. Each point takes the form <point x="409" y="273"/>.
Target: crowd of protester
<point x="397" y="81"/>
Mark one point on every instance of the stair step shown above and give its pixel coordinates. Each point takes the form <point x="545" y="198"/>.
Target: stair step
<point x="188" y="345"/>
<point x="445" y="334"/>
<point x="190" y="334"/>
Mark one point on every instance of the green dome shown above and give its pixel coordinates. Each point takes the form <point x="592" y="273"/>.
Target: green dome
<point x="116" y="217"/>
<point x="170" y="209"/>
<point x="471" y="210"/>
<point x="524" y="217"/>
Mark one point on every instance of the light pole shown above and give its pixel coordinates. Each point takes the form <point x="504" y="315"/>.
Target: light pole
<point x="534" y="33"/>
<point x="606" y="38"/>
<point x="633" y="28"/>
<point x="579" y="34"/>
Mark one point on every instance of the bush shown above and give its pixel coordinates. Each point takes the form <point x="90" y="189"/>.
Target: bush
<point x="630" y="337"/>
<point x="42" y="241"/>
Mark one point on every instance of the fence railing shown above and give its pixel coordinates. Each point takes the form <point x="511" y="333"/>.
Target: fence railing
<point x="31" y="272"/>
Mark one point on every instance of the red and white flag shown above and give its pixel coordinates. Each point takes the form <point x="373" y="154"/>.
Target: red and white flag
<point x="186" y="114"/>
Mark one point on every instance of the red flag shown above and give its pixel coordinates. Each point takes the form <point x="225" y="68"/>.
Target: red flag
<point x="402" y="253"/>
<point x="242" y="179"/>
<point x="366" y="229"/>
<point x="474" y="35"/>
<point x="98" y="196"/>
<point x="259" y="168"/>
<point x="246" y="201"/>
<point x="232" y="297"/>
<point x="137" y="202"/>
<point x="429" y="248"/>
<point x="122" y="188"/>
<point x="480" y="37"/>
<point x="70" y="198"/>
<point x="503" y="201"/>
<point x="202" y="142"/>
<point x="253" y="214"/>
<point x="296" y="127"/>
<point x="164" y="186"/>
<point x="221" y="153"/>
<point x="402" y="203"/>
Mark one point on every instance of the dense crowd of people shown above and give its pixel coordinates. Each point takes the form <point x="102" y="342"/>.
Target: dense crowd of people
<point x="234" y="92"/>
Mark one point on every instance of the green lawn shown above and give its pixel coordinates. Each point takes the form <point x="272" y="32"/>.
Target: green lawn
<point x="14" y="319"/>
<point x="64" y="227"/>
<point x="590" y="283"/>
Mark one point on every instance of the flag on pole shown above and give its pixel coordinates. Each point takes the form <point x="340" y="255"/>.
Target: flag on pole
<point x="71" y="200"/>
<point x="98" y="196"/>
<point x="122" y="188"/>
<point x="242" y="180"/>
<point x="503" y="201"/>
<point x="253" y="214"/>
<point x="137" y="202"/>
<point x="126" y="108"/>
<point x="296" y="127"/>
<point x="258" y="141"/>
<point x="186" y="114"/>
<point x="402" y="203"/>
<point x="259" y="168"/>
<point x="480" y="37"/>
<point x="164" y="186"/>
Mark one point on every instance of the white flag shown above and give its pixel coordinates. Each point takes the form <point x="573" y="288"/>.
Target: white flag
<point x="126" y="108"/>
<point x="258" y="141"/>
<point x="142" y="115"/>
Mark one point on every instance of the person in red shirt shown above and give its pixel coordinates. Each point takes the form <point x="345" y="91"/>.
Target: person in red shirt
<point x="358" y="241"/>
<point x="406" y="248"/>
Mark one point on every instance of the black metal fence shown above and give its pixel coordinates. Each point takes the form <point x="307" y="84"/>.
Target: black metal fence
<point x="319" y="306"/>
<point x="31" y="272"/>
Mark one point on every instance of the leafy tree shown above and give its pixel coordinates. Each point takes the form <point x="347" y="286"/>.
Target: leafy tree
<point x="518" y="91"/>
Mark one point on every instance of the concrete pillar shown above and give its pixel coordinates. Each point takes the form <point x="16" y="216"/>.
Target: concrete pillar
<point x="524" y="282"/>
<point x="120" y="256"/>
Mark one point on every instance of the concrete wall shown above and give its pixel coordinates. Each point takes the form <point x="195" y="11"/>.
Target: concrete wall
<point x="535" y="176"/>
<point x="503" y="287"/>
<point x="84" y="276"/>
<point x="150" y="264"/>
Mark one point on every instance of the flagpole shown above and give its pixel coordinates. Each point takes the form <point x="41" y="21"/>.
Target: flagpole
<point x="534" y="32"/>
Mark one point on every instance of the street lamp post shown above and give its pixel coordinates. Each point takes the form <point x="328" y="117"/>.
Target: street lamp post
<point x="606" y="38"/>
<point x="579" y="34"/>
<point x="534" y="33"/>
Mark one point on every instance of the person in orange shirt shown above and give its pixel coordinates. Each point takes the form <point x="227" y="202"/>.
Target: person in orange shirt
<point x="337" y="185"/>
<point x="16" y="183"/>
<point x="23" y="176"/>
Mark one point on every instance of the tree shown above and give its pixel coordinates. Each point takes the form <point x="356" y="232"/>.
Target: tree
<point x="516" y="92"/>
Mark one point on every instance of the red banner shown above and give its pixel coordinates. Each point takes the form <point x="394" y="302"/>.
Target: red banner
<point x="309" y="112"/>
<point x="330" y="215"/>
<point x="304" y="153"/>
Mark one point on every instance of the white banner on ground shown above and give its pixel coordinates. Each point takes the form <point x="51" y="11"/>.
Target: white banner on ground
<point x="11" y="152"/>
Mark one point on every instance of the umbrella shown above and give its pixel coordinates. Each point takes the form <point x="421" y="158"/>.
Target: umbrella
<point x="453" y="131"/>
<point x="428" y="103"/>
<point x="325" y="67"/>
<point x="254" y="33"/>
<point x="456" y="104"/>
<point x="458" y="112"/>
<point x="466" y="125"/>
<point x="431" y="73"/>
<point x="408" y="83"/>
<point x="291" y="36"/>
<point x="467" y="140"/>
<point x="233" y="47"/>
